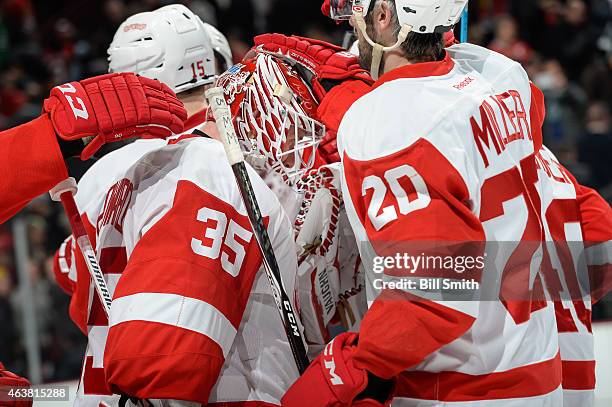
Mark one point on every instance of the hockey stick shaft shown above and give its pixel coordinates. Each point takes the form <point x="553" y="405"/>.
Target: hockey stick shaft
<point x="64" y="192"/>
<point x="464" y="25"/>
<point x="223" y="120"/>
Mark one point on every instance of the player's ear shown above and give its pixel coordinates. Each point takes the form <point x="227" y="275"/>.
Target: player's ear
<point x="383" y="19"/>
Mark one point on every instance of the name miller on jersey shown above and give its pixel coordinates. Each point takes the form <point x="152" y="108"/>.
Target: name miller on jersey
<point x="496" y="113"/>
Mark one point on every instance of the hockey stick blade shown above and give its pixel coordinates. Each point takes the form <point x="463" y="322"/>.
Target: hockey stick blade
<point x="223" y="120"/>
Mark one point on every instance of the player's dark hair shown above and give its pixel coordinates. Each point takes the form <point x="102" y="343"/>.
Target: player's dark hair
<point x="417" y="47"/>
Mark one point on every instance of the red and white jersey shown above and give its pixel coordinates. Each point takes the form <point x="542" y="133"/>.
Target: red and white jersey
<point x="93" y="196"/>
<point x="93" y="188"/>
<point x="71" y="272"/>
<point x="439" y="162"/>
<point x="579" y="246"/>
<point x="193" y="317"/>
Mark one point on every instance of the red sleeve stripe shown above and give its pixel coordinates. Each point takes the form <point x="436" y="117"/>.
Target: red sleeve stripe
<point x="159" y="361"/>
<point x="526" y="381"/>
<point x="578" y="375"/>
<point x="175" y="310"/>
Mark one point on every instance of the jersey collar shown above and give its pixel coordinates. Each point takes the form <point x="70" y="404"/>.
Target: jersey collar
<point x="420" y="70"/>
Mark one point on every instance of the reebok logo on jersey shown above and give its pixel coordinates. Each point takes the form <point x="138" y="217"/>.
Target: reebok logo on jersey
<point x="464" y="83"/>
<point x="330" y="365"/>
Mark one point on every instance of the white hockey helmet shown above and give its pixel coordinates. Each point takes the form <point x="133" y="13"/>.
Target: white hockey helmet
<point x="170" y="44"/>
<point x="221" y="47"/>
<point x="419" y="16"/>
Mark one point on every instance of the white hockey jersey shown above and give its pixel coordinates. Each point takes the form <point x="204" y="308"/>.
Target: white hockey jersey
<point x="439" y="162"/>
<point x="578" y="268"/>
<point x="85" y="308"/>
<point x="193" y="317"/>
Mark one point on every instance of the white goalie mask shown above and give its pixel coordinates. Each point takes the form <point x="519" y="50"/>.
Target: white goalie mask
<point x="170" y="44"/>
<point x="273" y="109"/>
<point x="419" y="16"/>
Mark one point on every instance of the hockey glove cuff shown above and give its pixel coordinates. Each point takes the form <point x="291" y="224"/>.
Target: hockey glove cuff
<point x="332" y="380"/>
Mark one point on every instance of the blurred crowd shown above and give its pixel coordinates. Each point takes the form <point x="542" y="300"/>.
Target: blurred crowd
<point x="565" y="45"/>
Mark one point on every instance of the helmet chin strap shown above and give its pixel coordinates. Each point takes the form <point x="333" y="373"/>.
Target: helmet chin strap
<point x="378" y="50"/>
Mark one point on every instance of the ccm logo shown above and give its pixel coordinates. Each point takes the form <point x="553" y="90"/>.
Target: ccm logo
<point x="79" y="111"/>
<point x="330" y="365"/>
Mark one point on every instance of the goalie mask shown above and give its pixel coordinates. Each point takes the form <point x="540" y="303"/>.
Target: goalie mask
<point x="273" y="109"/>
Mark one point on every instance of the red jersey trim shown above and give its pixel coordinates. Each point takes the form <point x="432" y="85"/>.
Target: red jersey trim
<point x="196" y="120"/>
<point x="420" y="70"/>
<point x="526" y="381"/>
<point x="578" y="374"/>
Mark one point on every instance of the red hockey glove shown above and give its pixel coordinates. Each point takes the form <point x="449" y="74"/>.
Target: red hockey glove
<point x="114" y="107"/>
<point x="326" y="65"/>
<point x="332" y="380"/>
<point x="331" y="111"/>
<point x="10" y="381"/>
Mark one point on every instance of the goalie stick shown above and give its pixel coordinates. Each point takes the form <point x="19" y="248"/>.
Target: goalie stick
<point x="222" y="115"/>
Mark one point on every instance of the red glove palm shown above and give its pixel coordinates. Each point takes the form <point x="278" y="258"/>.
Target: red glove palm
<point x="10" y="381"/>
<point x="114" y="107"/>
<point x="331" y="111"/>
<point x="332" y="380"/>
<point x="328" y="64"/>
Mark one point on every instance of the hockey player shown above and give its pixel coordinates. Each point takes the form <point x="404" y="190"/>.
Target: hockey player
<point x="184" y="303"/>
<point x="572" y="299"/>
<point x="457" y="148"/>
<point x="160" y="44"/>
<point x="113" y="107"/>
<point x="577" y="271"/>
<point x="193" y="317"/>
<point x="330" y="280"/>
